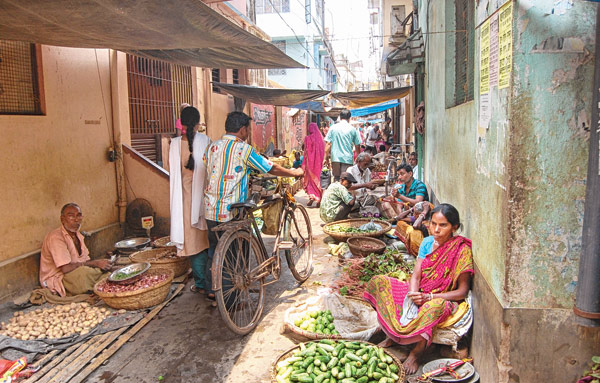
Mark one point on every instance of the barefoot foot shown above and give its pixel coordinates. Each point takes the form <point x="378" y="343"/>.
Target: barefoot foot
<point x="411" y="364"/>
<point x="386" y="343"/>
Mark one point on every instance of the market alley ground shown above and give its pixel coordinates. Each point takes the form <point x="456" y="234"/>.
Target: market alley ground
<point x="188" y="341"/>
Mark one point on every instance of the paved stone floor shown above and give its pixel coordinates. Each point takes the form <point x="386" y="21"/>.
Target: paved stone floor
<point x="188" y="342"/>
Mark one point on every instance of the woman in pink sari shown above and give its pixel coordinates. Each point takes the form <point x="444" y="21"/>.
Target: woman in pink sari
<point x="408" y="312"/>
<point x="314" y="152"/>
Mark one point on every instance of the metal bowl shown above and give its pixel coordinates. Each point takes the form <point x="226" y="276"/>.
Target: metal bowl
<point x="132" y="243"/>
<point x="136" y="270"/>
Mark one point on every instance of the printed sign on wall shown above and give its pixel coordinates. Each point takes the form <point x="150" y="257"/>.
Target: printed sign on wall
<point x="263" y="127"/>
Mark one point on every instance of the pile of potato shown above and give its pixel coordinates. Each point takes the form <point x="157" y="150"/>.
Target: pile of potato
<point x="56" y="322"/>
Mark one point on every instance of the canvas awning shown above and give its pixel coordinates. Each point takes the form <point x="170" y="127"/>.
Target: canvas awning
<point x="186" y="32"/>
<point x="377" y="108"/>
<point x="370" y="97"/>
<point x="271" y="96"/>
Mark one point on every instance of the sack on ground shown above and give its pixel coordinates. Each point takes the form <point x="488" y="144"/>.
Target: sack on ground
<point x="271" y="215"/>
<point x="354" y="319"/>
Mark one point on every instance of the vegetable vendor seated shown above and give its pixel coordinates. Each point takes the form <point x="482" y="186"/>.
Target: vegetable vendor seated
<point x="65" y="264"/>
<point x="337" y="201"/>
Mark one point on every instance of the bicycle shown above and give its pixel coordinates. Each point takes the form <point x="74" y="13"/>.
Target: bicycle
<point x="391" y="175"/>
<point x="241" y="263"/>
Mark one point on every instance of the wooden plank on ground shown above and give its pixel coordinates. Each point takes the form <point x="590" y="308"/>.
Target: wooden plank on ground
<point x="122" y="340"/>
<point x="53" y="363"/>
<point x="76" y="365"/>
<point x="69" y="359"/>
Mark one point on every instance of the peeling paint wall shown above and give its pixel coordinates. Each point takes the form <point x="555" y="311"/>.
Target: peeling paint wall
<point x="461" y="170"/>
<point x="550" y="110"/>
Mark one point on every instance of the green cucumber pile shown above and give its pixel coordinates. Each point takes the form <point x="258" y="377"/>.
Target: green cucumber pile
<point x="329" y="361"/>
<point x="320" y="322"/>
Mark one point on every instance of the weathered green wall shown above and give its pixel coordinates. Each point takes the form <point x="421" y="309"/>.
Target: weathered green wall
<point x="552" y="87"/>
<point x="463" y="171"/>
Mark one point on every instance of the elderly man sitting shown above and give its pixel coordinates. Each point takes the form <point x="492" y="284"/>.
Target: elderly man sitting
<point x="65" y="265"/>
<point x="362" y="174"/>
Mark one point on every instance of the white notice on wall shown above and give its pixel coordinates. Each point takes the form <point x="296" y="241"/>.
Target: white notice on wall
<point x="485" y="114"/>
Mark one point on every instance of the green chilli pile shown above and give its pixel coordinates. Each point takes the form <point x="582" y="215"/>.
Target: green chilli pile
<point x="329" y="361"/>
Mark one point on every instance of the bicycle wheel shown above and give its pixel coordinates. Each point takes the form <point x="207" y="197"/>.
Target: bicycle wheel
<point x="241" y="297"/>
<point x="297" y="230"/>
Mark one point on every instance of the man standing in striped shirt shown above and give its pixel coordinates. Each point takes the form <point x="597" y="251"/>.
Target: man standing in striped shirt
<point x="229" y="162"/>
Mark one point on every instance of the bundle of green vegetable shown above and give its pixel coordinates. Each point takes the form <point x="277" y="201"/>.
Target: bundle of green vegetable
<point x="320" y="322"/>
<point x="359" y="271"/>
<point x="341" y="228"/>
<point x="328" y="361"/>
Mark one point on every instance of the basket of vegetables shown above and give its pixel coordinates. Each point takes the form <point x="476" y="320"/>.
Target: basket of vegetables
<point x="311" y="324"/>
<point x="363" y="246"/>
<point x="342" y="230"/>
<point x="343" y="361"/>
<point x="151" y="289"/>
<point x="163" y="258"/>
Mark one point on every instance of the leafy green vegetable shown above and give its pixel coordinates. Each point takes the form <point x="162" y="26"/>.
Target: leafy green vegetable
<point x="344" y="290"/>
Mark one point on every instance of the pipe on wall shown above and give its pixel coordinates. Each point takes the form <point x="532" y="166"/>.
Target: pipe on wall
<point x="587" y="304"/>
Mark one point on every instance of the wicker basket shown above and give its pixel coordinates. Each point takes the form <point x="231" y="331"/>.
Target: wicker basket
<point x="138" y="299"/>
<point x="162" y="243"/>
<point x="356" y="222"/>
<point x="363" y="246"/>
<point x="179" y="265"/>
<point x="299" y="335"/>
<point x="401" y="373"/>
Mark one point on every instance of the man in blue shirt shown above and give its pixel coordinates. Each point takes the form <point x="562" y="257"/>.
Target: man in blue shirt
<point x="340" y="142"/>
<point x="411" y="190"/>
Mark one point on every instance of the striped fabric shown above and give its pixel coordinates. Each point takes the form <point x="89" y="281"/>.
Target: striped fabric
<point x="228" y="165"/>
<point x="416" y="188"/>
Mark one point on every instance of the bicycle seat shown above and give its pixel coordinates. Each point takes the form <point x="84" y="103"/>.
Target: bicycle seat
<point x="246" y="204"/>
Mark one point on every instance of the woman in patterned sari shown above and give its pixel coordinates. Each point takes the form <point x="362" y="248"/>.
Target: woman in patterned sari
<point x="408" y="312"/>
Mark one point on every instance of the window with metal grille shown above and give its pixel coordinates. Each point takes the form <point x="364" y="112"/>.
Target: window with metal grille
<point x="216" y="77"/>
<point x="462" y="40"/>
<point x="156" y="90"/>
<point x="21" y="90"/>
<point x="235" y="74"/>
<point x="272" y="6"/>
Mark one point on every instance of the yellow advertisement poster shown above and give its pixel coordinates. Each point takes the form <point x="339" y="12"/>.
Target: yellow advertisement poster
<point x="484" y="58"/>
<point x="505" y="45"/>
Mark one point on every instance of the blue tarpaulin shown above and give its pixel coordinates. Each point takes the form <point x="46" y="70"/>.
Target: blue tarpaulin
<point x="374" y="108"/>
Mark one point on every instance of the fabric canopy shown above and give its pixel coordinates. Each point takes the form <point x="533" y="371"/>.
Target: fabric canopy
<point x="271" y="96"/>
<point x="186" y="32"/>
<point x="370" y="97"/>
<point x="374" y="108"/>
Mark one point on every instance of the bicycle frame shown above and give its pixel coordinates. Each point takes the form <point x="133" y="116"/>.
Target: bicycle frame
<point x="244" y="220"/>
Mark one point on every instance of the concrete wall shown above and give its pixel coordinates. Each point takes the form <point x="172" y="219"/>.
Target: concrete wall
<point x="47" y="161"/>
<point x="519" y="184"/>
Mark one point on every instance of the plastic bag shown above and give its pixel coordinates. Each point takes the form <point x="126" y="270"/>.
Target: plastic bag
<point x="353" y="318"/>
<point x="371" y="226"/>
<point x="271" y="215"/>
<point x="325" y="178"/>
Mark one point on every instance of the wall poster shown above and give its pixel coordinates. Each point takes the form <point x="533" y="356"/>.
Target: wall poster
<point x="263" y="127"/>
<point x="505" y="45"/>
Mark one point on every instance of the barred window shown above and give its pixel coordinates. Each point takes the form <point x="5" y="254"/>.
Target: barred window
<point x="272" y="6"/>
<point x="216" y="77"/>
<point x="21" y="85"/>
<point x="462" y="41"/>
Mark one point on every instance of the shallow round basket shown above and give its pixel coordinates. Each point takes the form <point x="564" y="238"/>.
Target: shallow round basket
<point x="363" y="246"/>
<point x="401" y="374"/>
<point x="179" y="265"/>
<point x="378" y="182"/>
<point x="164" y="242"/>
<point x="356" y="222"/>
<point x="138" y="299"/>
<point x="300" y="335"/>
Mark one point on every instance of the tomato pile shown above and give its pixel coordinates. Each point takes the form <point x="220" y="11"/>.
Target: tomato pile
<point x="143" y="283"/>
